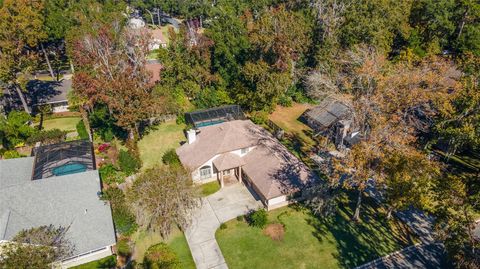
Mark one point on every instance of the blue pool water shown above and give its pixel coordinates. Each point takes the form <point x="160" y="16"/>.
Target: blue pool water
<point x="203" y="124"/>
<point x="69" y="168"/>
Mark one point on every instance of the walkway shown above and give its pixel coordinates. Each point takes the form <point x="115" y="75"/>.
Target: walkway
<point x="226" y="204"/>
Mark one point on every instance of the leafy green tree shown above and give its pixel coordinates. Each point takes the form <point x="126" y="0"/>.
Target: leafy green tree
<point x="375" y="22"/>
<point x="455" y="221"/>
<point x="15" y="129"/>
<point x="21" y="31"/>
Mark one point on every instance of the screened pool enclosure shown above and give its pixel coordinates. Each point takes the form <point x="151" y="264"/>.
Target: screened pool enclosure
<point x="212" y="116"/>
<point x="63" y="159"/>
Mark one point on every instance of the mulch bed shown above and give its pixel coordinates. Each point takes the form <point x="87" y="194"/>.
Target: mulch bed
<point x="275" y="231"/>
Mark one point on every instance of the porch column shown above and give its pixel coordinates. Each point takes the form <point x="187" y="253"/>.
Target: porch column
<point x="240" y="174"/>
<point x="221" y="179"/>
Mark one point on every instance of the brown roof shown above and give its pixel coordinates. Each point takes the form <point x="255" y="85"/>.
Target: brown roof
<point x="274" y="170"/>
<point x="228" y="161"/>
<point x="217" y="139"/>
<point x="154" y="67"/>
<point x="270" y="166"/>
<point x="157" y="34"/>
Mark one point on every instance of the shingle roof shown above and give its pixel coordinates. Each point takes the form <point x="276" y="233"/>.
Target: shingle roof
<point x="328" y="112"/>
<point x="217" y="139"/>
<point x="270" y="166"/>
<point x="48" y="92"/>
<point x="64" y="200"/>
<point x="228" y="161"/>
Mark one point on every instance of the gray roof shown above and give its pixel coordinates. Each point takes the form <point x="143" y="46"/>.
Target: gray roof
<point x="61" y="201"/>
<point x="328" y="112"/>
<point x="48" y="92"/>
<point x="15" y="171"/>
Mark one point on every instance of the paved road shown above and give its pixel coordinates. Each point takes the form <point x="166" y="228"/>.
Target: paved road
<point x="224" y="205"/>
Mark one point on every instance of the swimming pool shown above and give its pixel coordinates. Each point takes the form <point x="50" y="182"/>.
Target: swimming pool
<point x="208" y="123"/>
<point x="69" y="168"/>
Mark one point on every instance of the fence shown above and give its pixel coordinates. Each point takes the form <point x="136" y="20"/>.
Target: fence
<point x="277" y="131"/>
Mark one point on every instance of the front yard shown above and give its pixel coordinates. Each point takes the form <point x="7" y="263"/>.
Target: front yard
<point x="310" y="242"/>
<point x="161" y="138"/>
<point x="177" y="242"/>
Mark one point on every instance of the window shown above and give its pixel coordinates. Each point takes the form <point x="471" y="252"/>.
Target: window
<point x="205" y="172"/>
<point x="244" y="150"/>
<point x="226" y="172"/>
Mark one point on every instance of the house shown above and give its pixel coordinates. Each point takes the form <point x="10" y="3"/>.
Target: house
<point x="334" y="119"/>
<point x="53" y="93"/>
<point x="154" y="67"/>
<point x="240" y="151"/>
<point x="39" y="93"/>
<point x="57" y="186"/>
<point x="158" y="40"/>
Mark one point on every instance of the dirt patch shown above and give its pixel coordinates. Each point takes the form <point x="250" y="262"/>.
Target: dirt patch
<point x="276" y="231"/>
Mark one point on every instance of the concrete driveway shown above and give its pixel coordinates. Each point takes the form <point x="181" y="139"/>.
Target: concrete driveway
<point x="226" y="204"/>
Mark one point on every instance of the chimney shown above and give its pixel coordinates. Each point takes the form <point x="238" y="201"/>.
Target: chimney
<point x="191" y="136"/>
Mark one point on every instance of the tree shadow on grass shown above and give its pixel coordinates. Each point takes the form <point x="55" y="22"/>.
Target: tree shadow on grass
<point x="359" y="242"/>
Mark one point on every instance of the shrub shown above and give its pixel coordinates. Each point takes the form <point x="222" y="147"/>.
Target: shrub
<point x="259" y="117"/>
<point x="11" y="154"/>
<point x="129" y="163"/>
<point x="160" y="256"/>
<point x="285" y="101"/>
<point x="103" y="147"/>
<point x="123" y="218"/>
<point x="170" y="157"/>
<point x="109" y="174"/>
<point x="123" y="248"/>
<point x="240" y="218"/>
<point x="47" y="137"/>
<point x="108" y="135"/>
<point x="82" y="130"/>
<point x="223" y="226"/>
<point x="258" y="218"/>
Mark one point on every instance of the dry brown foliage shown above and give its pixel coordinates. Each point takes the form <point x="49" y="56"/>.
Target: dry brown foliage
<point x="275" y="231"/>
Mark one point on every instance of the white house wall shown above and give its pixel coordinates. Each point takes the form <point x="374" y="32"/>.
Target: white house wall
<point x="196" y="172"/>
<point x="96" y="255"/>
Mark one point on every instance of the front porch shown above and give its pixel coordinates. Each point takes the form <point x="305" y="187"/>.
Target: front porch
<point x="228" y="168"/>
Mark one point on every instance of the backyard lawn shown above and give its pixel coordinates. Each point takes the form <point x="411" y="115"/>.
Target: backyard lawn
<point x="178" y="243"/>
<point x="287" y="119"/>
<point x="310" y="242"/>
<point x="163" y="137"/>
<point x="64" y="124"/>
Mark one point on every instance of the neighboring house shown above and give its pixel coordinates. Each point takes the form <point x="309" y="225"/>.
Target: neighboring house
<point x="53" y="93"/>
<point x="240" y="151"/>
<point x="58" y="185"/>
<point x="154" y="67"/>
<point x="38" y="93"/>
<point x="136" y="23"/>
<point x="334" y="119"/>
<point x="158" y="40"/>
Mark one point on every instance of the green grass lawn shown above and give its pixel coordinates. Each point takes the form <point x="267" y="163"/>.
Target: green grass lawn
<point x="310" y="242"/>
<point x="209" y="188"/>
<point x="163" y="137"/>
<point x="107" y="262"/>
<point x="64" y="124"/>
<point x="176" y="241"/>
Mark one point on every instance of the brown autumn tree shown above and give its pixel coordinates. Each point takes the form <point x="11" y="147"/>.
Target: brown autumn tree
<point x="21" y="30"/>
<point x="111" y="70"/>
<point x="391" y="105"/>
